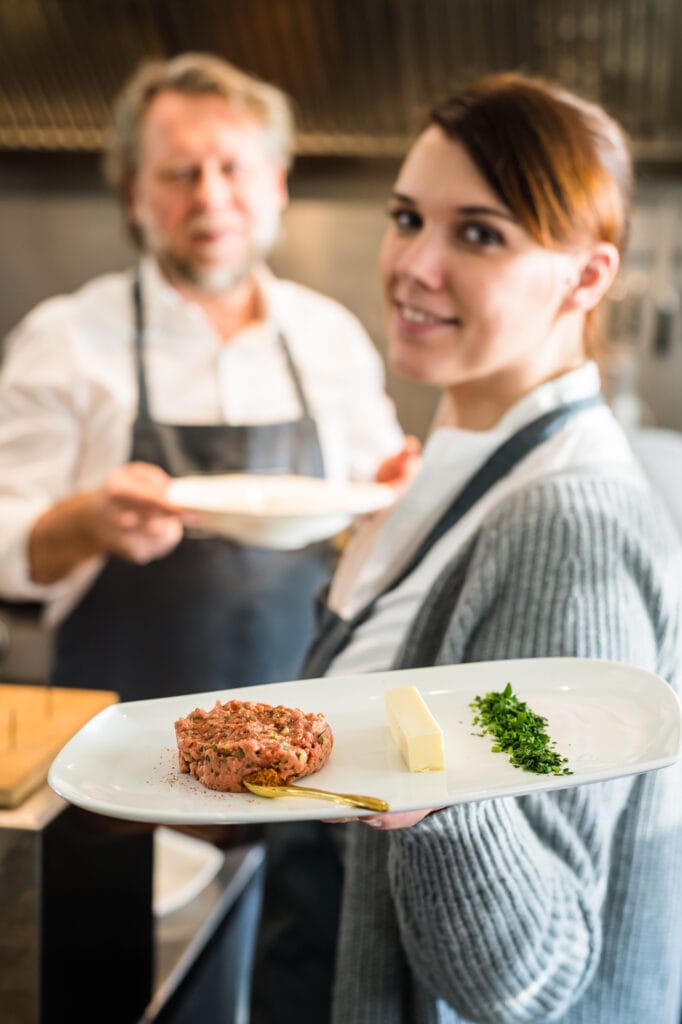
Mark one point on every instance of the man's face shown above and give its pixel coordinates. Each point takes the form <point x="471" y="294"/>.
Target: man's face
<point x="207" y="195"/>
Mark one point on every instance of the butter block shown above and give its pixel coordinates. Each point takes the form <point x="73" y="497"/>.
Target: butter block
<point x="414" y="729"/>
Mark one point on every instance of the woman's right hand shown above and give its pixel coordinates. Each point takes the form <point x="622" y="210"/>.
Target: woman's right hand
<point x="390" y="821"/>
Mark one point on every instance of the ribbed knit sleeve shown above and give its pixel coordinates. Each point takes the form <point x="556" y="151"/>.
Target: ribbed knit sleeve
<point x="499" y="907"/>
<point x="501" y="904"/>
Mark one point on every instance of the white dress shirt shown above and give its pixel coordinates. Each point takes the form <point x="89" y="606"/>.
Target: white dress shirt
<point x="68" y="395"/>
<point x="384" y="544"/>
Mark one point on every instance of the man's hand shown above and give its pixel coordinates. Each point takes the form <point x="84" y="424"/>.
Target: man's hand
<point x="400" y="469"/>
<point x="128" y="516"/>
<point x="131" y="516"/>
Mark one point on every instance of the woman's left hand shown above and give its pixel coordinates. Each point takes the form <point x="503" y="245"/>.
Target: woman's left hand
<point x="388" y="822"/>
<point x="400" y="469"/>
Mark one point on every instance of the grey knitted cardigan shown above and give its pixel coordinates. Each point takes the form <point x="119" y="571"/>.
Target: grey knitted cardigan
<point x="564" y="906"/>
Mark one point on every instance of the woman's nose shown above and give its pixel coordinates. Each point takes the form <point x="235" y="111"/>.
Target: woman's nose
<point x="423" y="260"/>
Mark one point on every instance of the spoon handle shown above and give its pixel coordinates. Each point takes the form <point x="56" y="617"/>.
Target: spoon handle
<point x="368" y="803"/>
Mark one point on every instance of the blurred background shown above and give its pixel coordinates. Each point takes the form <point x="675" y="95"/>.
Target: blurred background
<point x="360" y="72"/>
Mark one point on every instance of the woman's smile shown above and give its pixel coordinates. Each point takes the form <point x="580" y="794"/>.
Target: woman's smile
<point x="414" y="318"/>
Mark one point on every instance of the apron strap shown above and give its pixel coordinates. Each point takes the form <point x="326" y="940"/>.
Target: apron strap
<point x="495" y="467"/>
<point x="334" y="633"/>
<point x="138" y="337"/>
<point x="294" y="374"/>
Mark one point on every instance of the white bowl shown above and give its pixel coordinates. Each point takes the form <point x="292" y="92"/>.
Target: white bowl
<point x="183" y="867"/>
<point x="272" y="511"/>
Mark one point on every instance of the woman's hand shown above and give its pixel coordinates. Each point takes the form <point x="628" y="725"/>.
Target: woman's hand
<point x="398" y="819"/>
<point x="390" y="821"/>
<point x="400" y="469"/>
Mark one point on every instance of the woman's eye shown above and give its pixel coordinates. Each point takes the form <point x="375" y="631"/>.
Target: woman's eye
<point x="480" y="234"/>
<point x="405" y="220"/>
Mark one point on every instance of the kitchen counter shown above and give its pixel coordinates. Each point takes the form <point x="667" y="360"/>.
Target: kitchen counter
<point x="37" y="811"/>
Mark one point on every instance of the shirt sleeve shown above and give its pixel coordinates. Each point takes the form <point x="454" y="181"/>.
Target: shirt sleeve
<point x="41" y="401"/>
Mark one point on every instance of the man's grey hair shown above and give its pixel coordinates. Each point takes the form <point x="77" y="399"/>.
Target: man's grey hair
<point x="194" y="74"/>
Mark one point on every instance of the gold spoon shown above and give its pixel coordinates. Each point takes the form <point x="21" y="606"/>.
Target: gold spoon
<point x="268" y="783"/>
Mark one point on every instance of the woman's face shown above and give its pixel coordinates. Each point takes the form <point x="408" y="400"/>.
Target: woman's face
<point x="474" y="303"/>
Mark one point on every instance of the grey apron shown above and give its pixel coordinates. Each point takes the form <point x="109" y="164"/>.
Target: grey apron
<point x="294" y="970"/>
<point x="211" y="614"/>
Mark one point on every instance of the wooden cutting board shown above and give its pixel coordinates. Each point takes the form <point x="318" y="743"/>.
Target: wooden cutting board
<point x="35" y="723"/>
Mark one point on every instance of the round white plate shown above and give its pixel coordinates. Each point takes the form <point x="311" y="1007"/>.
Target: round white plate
<point x="276" y="511"/>
<point x="609" y="719"/>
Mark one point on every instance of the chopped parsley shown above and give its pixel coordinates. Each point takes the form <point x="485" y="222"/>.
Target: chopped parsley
<point x="519" y="732"/>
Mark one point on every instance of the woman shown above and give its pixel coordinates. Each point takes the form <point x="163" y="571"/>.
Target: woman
<point x="507" y="223"/>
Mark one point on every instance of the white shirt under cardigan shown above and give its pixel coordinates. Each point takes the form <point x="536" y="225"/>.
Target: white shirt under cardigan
<point x="384" y="544"/>
<point x="68" y="395"/>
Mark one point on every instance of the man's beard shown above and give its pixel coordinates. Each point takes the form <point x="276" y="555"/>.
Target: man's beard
<point x="212" y="280"/>
<point x="224" y="277"/>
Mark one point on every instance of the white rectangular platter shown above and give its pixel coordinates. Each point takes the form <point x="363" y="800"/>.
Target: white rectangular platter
<point x="609" y="719"/>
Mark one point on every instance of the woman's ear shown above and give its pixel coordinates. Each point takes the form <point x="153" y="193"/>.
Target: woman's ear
<point x="595" y="272"/>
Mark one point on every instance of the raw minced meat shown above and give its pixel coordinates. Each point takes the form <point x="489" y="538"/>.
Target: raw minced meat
<point x="221" y="746"/>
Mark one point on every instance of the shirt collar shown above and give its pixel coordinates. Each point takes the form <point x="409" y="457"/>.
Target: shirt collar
<point x="582" y="382"/>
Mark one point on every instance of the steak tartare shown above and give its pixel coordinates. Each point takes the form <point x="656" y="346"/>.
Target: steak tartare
<point x="221" y="746"/>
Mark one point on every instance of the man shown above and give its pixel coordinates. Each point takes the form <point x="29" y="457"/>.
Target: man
<point x="198" y="361"/>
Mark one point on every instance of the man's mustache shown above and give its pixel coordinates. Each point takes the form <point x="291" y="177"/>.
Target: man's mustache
<point x="209" y="224"/>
